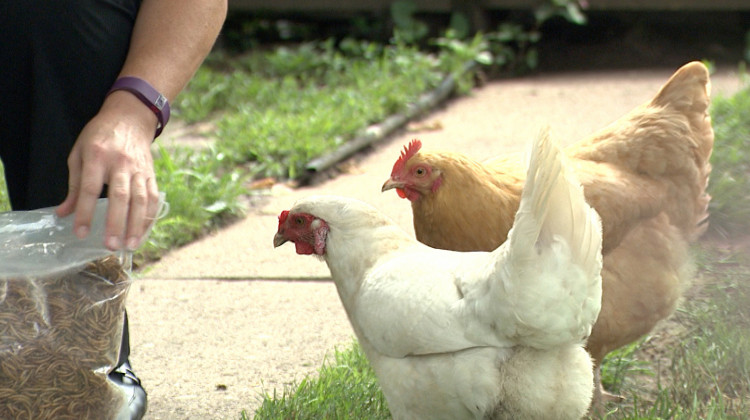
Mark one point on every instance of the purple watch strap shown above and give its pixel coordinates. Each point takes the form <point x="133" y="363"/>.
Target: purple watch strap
<point x="148" y="95"/>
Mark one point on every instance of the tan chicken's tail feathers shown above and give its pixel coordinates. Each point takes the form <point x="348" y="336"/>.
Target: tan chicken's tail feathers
<point x="668" y="142"/>
<point x="688" y="91"/>
<point x="688" y="88"/>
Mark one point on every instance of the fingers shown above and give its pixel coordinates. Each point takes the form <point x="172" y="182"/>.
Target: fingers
<point x="85" y="183"/>
<point x="137" y="213"/>
<point x="119" y="194"/>
<point x="144" y="204"/>
<point x="133" y="204"/>
<point x="126" y="167"/>
<point x="86" y="193"/>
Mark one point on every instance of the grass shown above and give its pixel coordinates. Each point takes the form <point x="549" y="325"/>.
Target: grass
<point x="282" y="108"/>
<point x="730" y="178"/>
<point x="202" y="195"/>
<point x="349" y="376"/>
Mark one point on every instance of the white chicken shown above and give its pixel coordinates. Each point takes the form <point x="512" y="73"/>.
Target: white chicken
<point x="469" y="335"/>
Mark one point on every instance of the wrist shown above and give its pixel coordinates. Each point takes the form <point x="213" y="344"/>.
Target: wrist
<point x="124" y="110"/>
<point x="146" y="95"/>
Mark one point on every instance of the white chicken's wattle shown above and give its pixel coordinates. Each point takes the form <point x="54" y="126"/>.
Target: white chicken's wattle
<point x="474" y="335"/>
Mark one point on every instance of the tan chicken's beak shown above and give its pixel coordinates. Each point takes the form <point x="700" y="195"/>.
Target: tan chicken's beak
<point x="391" y="184"/>
<point x="278" y="240"/>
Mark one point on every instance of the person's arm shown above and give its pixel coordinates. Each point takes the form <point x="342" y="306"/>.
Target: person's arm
<point x="170" y="40"/>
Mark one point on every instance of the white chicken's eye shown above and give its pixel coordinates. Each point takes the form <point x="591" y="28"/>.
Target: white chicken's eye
<point x="300" y="221"/>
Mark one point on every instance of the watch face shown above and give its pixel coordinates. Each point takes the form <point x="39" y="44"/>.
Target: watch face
<point x="160" y="101"/>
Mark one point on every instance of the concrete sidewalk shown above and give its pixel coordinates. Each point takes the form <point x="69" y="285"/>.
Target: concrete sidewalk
<point x="217" y="322"/>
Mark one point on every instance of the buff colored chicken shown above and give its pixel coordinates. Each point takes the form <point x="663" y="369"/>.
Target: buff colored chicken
<point x="645" y="174"/>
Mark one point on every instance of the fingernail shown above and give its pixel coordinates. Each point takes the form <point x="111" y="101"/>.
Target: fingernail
<point x="82" y="232"/>
<point x="132" y="243"/>
<point x="113" y="242"/>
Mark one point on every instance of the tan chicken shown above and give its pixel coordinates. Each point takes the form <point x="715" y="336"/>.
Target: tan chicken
<point x="645" y="174"/>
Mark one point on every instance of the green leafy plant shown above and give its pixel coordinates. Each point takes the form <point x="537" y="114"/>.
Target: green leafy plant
<point x="460" y="52"/>
<point x="511" y="48"/>
<point x="571" y="10"/>
<point x="407" y="29"/>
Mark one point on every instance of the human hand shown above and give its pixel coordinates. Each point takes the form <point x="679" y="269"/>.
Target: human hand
<point x="114" y="148"/>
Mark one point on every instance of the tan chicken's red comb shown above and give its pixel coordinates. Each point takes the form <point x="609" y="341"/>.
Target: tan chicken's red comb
<point x="409" y="150"/>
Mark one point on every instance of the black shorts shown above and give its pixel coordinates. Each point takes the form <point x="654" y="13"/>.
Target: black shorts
<point x="58" y="59"/>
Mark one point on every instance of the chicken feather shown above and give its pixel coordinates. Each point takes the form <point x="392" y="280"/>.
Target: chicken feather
<point x="471" y="334"/>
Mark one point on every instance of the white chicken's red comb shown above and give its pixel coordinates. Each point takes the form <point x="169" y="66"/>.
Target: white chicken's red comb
<point x="409" y="150"/>
<point x="283" y="216"/>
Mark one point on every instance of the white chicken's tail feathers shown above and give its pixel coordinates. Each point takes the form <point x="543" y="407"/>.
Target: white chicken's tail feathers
<point x="551" y="263"/>
<point x="553" y="205"/>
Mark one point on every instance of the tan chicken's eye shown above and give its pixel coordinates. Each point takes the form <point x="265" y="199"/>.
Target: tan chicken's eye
<point x="419" y="172"/>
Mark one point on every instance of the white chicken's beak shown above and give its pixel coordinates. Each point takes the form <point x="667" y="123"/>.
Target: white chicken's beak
<point x="278" y="240"/>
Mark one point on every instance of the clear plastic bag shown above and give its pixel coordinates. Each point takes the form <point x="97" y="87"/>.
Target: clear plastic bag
<point x="62" y="305"/>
